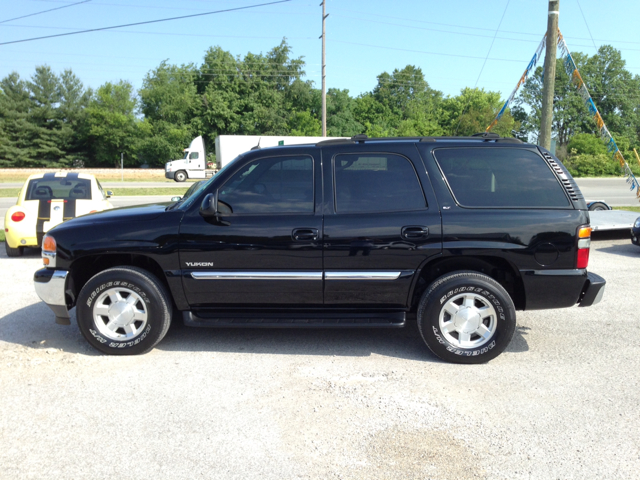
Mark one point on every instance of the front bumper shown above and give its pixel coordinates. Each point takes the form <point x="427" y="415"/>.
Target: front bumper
<point x="50" y="286"/>
<point x="170" y="175"/>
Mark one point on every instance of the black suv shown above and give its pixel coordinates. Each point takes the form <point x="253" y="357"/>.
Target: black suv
<point x="458" y="233"/>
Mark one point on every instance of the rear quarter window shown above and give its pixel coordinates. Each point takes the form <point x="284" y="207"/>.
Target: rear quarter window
<point x="500" y="178"/>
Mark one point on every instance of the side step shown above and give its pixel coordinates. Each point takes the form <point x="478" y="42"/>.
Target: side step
<point x="294" y="320"/>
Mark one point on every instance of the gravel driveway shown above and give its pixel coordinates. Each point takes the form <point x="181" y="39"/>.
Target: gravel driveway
<point x="562" y="402"/>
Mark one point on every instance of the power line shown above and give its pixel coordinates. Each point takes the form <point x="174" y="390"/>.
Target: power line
<point x="44" y="11"/>
<point x="360" y="13"/>
<point x="492" y="42"/>
<point x="146" y="22"/>
<point x="588" y="29"/>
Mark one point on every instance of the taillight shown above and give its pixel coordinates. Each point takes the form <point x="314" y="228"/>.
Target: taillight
<point x="17" y="216"/>
<point x="584" y="243"/>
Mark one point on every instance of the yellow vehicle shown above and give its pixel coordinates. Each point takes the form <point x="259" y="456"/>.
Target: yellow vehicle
<point x="47" y="199"/>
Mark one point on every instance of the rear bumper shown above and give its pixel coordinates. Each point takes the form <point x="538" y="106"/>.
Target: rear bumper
<point x="593" y="290"/>
<point x="545" y="289"/>
<point x="50" y="286"/>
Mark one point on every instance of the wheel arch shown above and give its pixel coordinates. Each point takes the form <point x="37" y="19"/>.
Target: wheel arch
<point x="83" y="269"/>
<point x="501" y="270"/>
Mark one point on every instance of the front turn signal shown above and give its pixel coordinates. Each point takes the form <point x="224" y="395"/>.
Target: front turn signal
<point x="49" y="244"/>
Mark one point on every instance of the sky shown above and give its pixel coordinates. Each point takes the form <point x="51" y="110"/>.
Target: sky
<point x="456" y="43"/>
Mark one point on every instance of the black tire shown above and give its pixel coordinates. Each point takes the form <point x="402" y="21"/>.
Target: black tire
<point x="13" y="252"/>
<point x="597" y="206"/>
<point x="134" y="328"/>
<point x="482" y="292"/>
<point x="180" y="176"/>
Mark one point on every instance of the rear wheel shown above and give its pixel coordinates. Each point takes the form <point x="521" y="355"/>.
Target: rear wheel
<point x="180" y="176"/>
<point x="124" y="311"/>
<point x="13" y="252"/>
<point x="466" y="317"/>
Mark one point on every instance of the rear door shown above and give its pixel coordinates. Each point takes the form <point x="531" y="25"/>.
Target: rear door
<point x="381" y="223"/>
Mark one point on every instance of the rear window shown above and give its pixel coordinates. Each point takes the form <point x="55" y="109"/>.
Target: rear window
<point x="59" y="188"/>
<point x="500" y="177"/>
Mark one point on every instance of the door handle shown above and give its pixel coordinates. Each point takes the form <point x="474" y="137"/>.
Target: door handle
<point x="302" y="234"/>
<point x="415" y="231"/>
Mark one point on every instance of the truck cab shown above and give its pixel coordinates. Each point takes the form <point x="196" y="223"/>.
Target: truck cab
<point x="192" y="165"/>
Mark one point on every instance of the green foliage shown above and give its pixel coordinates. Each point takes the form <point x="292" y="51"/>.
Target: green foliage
<point x="586" y="143"/>
<point x="52" y="120"/>
<point x="614" y="91"/>
<point x="112" y="125"/>
<point x="586" y="165"/>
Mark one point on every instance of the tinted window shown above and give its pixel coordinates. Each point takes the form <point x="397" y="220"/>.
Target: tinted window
<point x="376" y="183"/>
<point x="500" y="177"/>
<point x="40" y="189"/>
<point x="271" y="185"/>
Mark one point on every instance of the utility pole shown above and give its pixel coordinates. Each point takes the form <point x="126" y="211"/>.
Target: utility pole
<point x="548" y="86"/>
<point x="324" y="74"/>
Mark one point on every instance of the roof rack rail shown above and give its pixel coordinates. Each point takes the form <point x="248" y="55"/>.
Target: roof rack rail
<point x="362" y="138"/>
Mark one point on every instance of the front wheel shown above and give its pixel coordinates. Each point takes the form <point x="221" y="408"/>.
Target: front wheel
<point x="466" y="317"/>
<point x="124" y="311"/>
<point x="597" y="206"/>
<point x="180" y="176"/>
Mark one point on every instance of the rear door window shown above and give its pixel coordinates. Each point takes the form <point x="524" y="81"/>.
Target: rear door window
<point x="376" y="183"/>
<point x="500" y="178"/>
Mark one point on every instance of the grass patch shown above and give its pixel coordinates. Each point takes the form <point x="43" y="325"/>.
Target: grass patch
<point x="120" y="192"/>
<point x="629" y="209"/>
<point x="9" y="192"/>
<point x="2" y="235"/>
<point x="169" y="191"/>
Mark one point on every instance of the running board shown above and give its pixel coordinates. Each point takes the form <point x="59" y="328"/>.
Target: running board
<point x="294" y="320"/>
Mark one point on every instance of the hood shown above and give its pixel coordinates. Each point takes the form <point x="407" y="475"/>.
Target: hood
<point x="136" y="213"/>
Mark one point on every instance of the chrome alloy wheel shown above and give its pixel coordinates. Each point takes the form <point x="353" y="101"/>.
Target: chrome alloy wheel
<point x="120" y="313"/>
<point x="468" y="320"/>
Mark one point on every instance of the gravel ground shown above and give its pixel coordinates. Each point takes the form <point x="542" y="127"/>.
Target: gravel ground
<point x="562" y="402"/>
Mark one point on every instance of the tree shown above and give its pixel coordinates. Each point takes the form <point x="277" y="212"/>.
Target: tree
<point x="74" y="119"/>
<point x="112" y="125"/>
<point x="473" y="111"/>
<point x="16" y="149"/>
<point x="171" y="106"/>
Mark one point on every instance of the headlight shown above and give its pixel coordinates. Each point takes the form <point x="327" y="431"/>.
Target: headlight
<point x="637" y="224"/>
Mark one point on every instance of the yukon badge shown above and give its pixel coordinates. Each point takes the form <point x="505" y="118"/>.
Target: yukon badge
<point x="199" y="264"/>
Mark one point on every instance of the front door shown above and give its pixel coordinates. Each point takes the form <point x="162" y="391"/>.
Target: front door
<point x="381" y="223"/>
<point x="266" y="246"/>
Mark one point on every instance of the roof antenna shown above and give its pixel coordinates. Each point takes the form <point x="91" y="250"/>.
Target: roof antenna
<point x="257" y="147"/>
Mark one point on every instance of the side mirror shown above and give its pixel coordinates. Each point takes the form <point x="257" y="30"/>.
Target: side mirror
<point x="176" y="198"/>
<point x="109" y="194"/>
<point x="209" y="205"/>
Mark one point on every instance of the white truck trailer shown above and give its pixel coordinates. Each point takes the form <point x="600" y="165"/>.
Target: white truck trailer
<point x="228" y="147"/>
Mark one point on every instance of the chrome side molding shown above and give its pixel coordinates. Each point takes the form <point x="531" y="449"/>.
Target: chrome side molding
<point x="295" y="275"/>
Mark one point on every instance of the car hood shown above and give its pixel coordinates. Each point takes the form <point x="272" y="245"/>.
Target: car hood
<point x="137" y="213"/>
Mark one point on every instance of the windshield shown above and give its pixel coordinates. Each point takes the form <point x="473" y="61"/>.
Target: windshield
<point x="186" y="202"/>
<point x="186" y="154"/>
